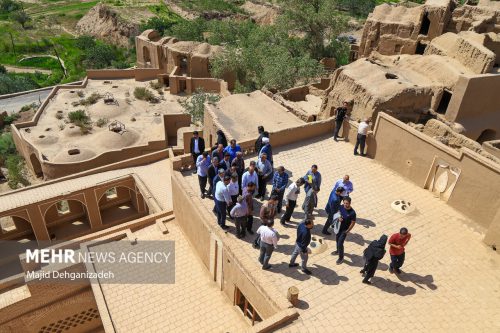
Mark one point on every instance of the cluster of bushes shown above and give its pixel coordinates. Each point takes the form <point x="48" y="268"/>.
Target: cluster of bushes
<point x="80" y="119"/>
<point x="98" y="55"/>
<point x="12" y="161"/>
<point x="11" y="83"/>
<point x="144" y="94"/>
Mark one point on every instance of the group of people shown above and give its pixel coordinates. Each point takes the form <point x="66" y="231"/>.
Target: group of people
<point x="233" y="187"/>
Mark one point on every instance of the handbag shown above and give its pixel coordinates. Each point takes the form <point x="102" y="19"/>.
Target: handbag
<point x="336" y="223"/>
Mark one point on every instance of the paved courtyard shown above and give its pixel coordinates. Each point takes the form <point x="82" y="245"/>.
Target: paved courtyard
<point x="450" y="280"/>
<point x="192" y="304"/>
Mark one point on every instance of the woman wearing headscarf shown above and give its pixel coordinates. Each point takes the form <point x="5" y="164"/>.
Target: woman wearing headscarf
<point x="372" y="254"/>
<point x="221" y="138"/>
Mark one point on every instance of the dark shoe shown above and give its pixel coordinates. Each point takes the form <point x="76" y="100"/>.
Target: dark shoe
<point x="335" y="139"/>
<point x="398" y="271"/>
<point x="391" y="270"/>
<point x="225" y="227"/>
<point x="335" y="253"/>
<point x="194" y="172"/>
<point x="293" y="265"/>
<point x="339" y="261"/>
<point x="308" y="272"/>
<point x="364" y="155"/>
<point x="266" y="267"/>
<point x="243" y="234"/>
<point x="356" y="153"/>
<point x="362" y="271"/>
<point x="326" y="233"/>
<point x="203" y="195"/>
<point x="283" y="223"/>
<point x="367" y="282"/>
<point x="250" y="232"/>
<point x="238" y="236"/>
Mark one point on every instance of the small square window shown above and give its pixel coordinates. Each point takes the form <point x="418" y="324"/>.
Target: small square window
<point x="111" y="194"/>
<point x="63" y="207"/>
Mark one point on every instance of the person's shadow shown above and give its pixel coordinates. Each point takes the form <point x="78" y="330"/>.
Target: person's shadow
<point x="327" y="276"/>
<point x="291" y="272"/>
<point x="366" y="223"/>
<point x="357" y="239"/>
<point x="392" y="287"/>
<point x="418" y="280"/>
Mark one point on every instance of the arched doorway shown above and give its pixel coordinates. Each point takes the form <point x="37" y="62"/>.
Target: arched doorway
<point x="36" y="165"/>
<point x="146" y="55"/>
<point x="487" y="135"/>
<point x="121" y="204"/>
<point x="67" y="219"/>
<point x="16" y="236"/>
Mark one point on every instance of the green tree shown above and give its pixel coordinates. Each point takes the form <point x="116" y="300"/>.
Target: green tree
<point x="317" y="21"/>
<point x="159" y="23"/>
<point x="21" y="17"/>
<point x="195" y="105"/>
<point x="85" y="42"/>
<point x="7" y="6"/>
<point x="99" y="56"/>
<point x="189" y="30"/>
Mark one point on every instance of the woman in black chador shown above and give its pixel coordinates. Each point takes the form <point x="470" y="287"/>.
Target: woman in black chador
<point x="372" y="254"/>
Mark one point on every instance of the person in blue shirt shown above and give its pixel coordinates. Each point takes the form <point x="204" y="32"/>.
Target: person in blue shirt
<point x="266" y="149"/>
<point x="264" y="172"/>
<point x="312" y="177"/>
<point x="346" y="184"/>
<point x="280" y="181"/>
<point x="301" y="244"/>
<point x="202" y="165"/>
<point x="222" y="199"/>
<point x="232" y="149"/>
<point x="332" y="207"/>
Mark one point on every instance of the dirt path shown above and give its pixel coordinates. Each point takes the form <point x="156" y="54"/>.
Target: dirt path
<point x="179" y="11"/>
<point x="15" y="69"/>
<point x="46" y="55"/>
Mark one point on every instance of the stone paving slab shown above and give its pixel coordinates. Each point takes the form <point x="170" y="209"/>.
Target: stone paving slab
<point x="451" y="280"/>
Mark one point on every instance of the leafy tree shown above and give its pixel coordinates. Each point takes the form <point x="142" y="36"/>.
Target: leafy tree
<point x="317" y="20"/>
<point x="14" y="83"/>
<point x="195" y="105"/>
<point x="338" y="49"/>
<point x="99" y="56"/>
<point x="358" y="7"/>
<point x="7" y="146"/>
<point x="7" y="6"/>
<point x="189" y="30"/>
<point x="15" y="166"/>
<point x="85" y="42"/>
<point x="21" y="17"/>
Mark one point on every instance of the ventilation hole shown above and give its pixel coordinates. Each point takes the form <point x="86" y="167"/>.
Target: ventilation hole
<point x="403" y="207"/>
<point x="42" y="136"/>
<point x="391" y="76"/>
<point x="73" y="151"/>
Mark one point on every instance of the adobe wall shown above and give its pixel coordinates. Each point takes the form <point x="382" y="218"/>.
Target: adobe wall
<point x="200" y="228"/>
<point x="139" y="74"/>
<point x="411" y="154"/>
<point x="175" y="121"/>
<point x="475" y="104"/>
<point x="50" y="303"/>
<point x="492" y="147"/>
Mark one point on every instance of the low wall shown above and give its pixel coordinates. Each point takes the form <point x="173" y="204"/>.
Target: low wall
<point x="139" y="74"/>
<point x="492" y="147"/>
<point x="412" y="154"/>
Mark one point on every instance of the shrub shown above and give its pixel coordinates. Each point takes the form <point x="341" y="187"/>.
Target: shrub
<point x="101" y="122"/>
<point x="92" y="99"/>
<point x="15" y="168"/>
<point x="144" y="94"/>
<point x="78" y="117"/>
<point x="80" y="94"/>
<point x="195" y="104"/>
<point x="28" y="107"/>
<point x="7" y="146"/>
<point x="59" y="116"/>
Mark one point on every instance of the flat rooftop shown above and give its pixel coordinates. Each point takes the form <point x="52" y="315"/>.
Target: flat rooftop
<point x="54" y="136"/>
<point x="241" y="114"/>
<point x="192" y="304"/>
<point x="448" y="270"/>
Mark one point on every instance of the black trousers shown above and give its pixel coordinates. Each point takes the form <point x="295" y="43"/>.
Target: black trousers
<point x="262" y="185"/>
<point x="338" y="126"/>
<point x="203" y="183"/>
<point x="340" y="238"/>
<point x="329" y="222"/>
<point x="280" y="199"/>
<point x="288" y="211"/>
<point x="195" y="157"/>
<point x="360" y="142"/>
<point x="370" y="268"/>
<point x="397" y="261"/>
<point x="249" y="222"/>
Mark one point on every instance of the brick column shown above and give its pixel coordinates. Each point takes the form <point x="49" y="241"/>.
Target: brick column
<point x="38" y="223"/>
<point x="93" y="212"/>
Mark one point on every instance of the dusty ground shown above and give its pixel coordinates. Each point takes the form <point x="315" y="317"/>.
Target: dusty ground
<point x="54" y="137"/>
<point x="262" y="14"/>
<point x="311" y="105"/>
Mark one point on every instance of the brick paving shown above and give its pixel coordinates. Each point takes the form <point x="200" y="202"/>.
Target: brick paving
<point x="192" y="304"/>
<point x="450" y="280"/>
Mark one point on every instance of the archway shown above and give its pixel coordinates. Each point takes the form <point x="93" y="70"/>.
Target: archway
<point x="426" y="24"/>
<point x="67" y="219"/>
<point x="487" y="135"/>
<point x="146" y="55"/>
<point x="121" y="204"/>
<point x="36" y="165"/>
<point x="16" y="228"/>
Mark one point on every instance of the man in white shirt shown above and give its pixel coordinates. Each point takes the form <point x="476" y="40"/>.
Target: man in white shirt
<point x="363" y="128"/>
<point x="268" y="242"/>
<point x="290" y="198"/>
<point x="234" y="190"/>
<point x="222" y="200"/>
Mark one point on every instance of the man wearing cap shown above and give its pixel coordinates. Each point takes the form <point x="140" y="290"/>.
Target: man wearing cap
<point x="266" y="149"/>
<point x="222" y="199"/>
<point x="340" y="115"/>
<point x="397" y="244"/>
<point x="196" y="146"/>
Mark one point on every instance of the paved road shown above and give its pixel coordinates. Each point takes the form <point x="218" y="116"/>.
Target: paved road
<point x="14" y="104"/>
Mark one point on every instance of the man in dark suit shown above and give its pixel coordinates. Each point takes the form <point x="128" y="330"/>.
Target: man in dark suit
<point x="197" y="146"/>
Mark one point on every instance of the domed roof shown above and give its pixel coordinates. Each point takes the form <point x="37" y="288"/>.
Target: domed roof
<point x="71" y="155"/>
<point x="109" y="111"/>
<point x="112" y="140"/>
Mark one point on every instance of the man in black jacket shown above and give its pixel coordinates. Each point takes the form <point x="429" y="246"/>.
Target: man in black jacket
<point x="301" y="244"/>
<point x="258" y="142"/>
<point x="196" y="146"/>
<point x="373" y="254"/>
<point x="340" y="114"/>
